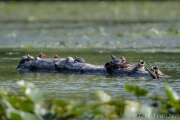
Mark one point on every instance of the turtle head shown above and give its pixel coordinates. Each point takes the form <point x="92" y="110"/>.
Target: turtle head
<point x="29" y="58"/>
<point x="141" y="65"/>
<point x="113" y="57"/>
<point x="154" y="68"/>
<point x="123" y="58"/>
<point x="56" y="56"/>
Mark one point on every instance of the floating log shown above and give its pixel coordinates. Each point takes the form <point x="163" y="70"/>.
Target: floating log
<point x="68" y="65"/>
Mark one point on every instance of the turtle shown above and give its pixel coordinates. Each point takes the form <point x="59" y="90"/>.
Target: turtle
<point x="69" y="59"/>
<point x="126" y="64"/>
<point x="78" y="59"/>
<point x="56" y="57"/>
<point x="42" y="56"/>
<point x="157" y="71"/>
<point x="116" y="62"/>
<point x="140" y="66"/>
<point x="25" y="58"/>
<point x="123" y="59"/>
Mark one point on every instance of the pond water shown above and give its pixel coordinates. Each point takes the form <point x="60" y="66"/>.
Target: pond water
<point x="72" y="86"/>
<point x="156" y="41"/>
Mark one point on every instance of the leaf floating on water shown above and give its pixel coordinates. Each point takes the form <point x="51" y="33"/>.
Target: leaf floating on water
<point x="138" y="91"/>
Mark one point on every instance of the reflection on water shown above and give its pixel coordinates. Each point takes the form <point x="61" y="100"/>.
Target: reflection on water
<point x="67" y="86"/>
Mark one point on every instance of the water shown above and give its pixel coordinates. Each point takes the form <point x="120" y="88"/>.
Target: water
<point x="72" y="86"/>
<point x="137" y="30"/>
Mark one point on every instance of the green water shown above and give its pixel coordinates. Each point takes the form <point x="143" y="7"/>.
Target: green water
<point x="72" y="86"/>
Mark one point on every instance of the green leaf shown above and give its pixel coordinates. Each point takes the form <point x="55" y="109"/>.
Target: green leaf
<point x="104" y="97"/>
<point x="78" y="111"/>
<point x="78" y="103"/>
<point x="14" y="114"/>
<point x="61" y="103"/>
<point x="22" y="104"/>
<point x="31" y="92"/>
<point x="138" y="91"/>
<point x="172" y="95"/>
<point x="78" y="107"/>
<point x="2" y="109"/>
<point x="100" y="109"/>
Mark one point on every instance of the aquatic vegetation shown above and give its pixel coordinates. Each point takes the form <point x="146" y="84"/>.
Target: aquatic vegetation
<point x="32" y="106"/>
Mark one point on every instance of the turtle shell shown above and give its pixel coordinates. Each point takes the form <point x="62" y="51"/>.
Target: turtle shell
<point x="115" y="61"/>
<point x="26" y="58"/>
<point x="41" y="55"/>
<point x="78" y="59"/>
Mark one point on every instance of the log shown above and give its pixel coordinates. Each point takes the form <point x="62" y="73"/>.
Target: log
<point x="67" y="65"/>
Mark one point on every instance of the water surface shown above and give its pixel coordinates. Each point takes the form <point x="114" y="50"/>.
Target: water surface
<point x="72" y="86"/>
<point x="137" y="30"/>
